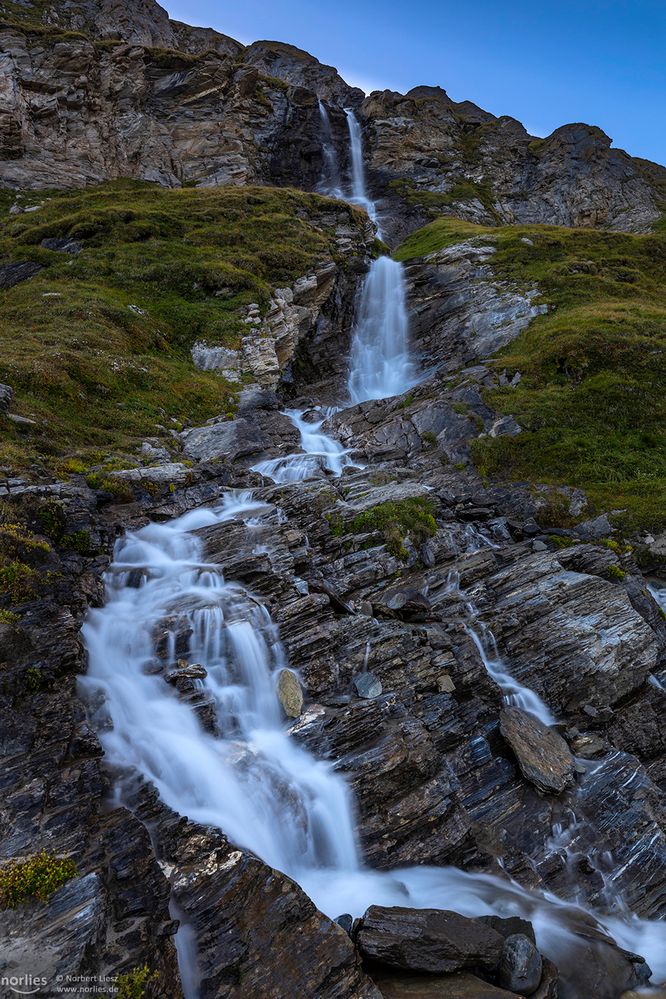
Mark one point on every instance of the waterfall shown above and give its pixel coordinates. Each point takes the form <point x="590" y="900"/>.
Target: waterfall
<point x="320" y="453"/>
<point x="250" y="779"/>
<point x="359" y="194"/>
<point x="331" y="181"/>
<point x="380" y="362"/>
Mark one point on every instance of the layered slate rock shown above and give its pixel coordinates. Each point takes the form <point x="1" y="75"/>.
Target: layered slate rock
<point x="257" y="932"/>
<point x="143" y="102"/>
<point x="427" y="940"/>
<point x="543" y="755"/>
<point x="461" y="985"/>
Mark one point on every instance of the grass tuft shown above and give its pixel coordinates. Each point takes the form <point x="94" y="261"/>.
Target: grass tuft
<point x="37" y="877"/>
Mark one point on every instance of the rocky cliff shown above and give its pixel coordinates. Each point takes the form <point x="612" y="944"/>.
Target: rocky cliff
<point x="102" y="90"/>
<point x="500" y="515"/>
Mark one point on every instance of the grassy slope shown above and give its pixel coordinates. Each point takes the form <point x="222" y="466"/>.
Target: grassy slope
<point x="592" y="400"/>
<point x="97" y="376"/>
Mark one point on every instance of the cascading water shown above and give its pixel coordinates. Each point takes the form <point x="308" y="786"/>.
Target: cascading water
<point x="514" y="693"/>
<point x="380" y="361"/>
<point x="320" y="452"/>
<point x="359" y="194"/>
<point x="251" y="780"/>
<point x="331" y="180"/>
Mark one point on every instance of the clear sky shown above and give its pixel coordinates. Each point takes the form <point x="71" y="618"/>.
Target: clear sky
<point x="545" y="62"/>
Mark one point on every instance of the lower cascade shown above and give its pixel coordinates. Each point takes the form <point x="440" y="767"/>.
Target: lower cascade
<point x="248" y="777"/>
<point x="380" y="361"/>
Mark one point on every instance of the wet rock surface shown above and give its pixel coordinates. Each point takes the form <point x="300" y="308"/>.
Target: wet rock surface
<point x="543" y="755"/>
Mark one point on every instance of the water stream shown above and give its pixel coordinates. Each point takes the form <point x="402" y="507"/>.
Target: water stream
<point x="331" y="179"/>
<point x="359" y="193"/>
<point x="251" y="780"/>
<point x="320" y="452"/>
<point x="248" y="777"/>
<point x="381" y="366"/>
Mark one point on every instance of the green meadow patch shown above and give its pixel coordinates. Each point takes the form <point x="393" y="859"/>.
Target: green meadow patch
<point x="592" y="397"/>
<point x="97" y="345"/>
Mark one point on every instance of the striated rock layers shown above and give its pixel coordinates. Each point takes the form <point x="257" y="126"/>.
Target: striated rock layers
<point x="108" y="89"/>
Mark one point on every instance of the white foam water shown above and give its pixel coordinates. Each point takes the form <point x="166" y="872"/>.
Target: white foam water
<point x="359" y="193"/>
<point x="331" y="180"/>
<point x="381" y="366"/>
<point x="320" y="452"/>
<point x="252" y="781"/>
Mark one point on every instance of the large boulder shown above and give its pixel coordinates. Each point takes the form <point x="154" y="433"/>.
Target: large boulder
<point x="521" y="966"/>
<point x="543" y="756"/>
<point x="430" y="940"/>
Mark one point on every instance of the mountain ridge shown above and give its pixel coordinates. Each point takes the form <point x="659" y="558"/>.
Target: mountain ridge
<point x="95" y="91"/>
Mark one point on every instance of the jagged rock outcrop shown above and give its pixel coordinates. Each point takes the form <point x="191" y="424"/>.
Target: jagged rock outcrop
<point x="104" y="89"/>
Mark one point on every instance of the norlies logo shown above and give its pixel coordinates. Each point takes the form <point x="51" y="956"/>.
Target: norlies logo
<point x="24" y="985"/>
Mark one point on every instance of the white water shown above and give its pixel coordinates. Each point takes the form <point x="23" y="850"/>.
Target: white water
<point x="320" y="452"/>
<point x="514" y="693"/>
<point x="331" y="181"/>
<point x="252" y="781"/>
<point x="380" y="365"/>
<point x="359" y="194"/>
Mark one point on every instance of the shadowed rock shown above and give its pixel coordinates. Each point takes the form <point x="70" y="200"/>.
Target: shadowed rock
<point x="431" y="940"/>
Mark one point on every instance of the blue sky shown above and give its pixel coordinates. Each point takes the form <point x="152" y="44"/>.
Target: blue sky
<point x="546" y="63"/>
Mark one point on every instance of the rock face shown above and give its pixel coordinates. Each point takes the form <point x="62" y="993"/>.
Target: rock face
<point x="492" y="169"/>
<point x="243" y="912"/>
<point x="106" y="89"/>
<point x="428" y="940"/>
<point x="458" y="986"/>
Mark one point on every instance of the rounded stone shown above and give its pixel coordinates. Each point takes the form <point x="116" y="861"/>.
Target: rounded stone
<point x="289" y="693"/>
<point x="521" y="966"/>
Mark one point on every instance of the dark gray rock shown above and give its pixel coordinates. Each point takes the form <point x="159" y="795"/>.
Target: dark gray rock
<point x="71" y="246"/>
<point x="461" y="985"/>
<point x="520" y="965"/>
<point x="14" y="273"/>
<point x="428" y="940"/>
<point x="367" y="685"/>
<point x="6" y="396"/>
<point x="543" y="755"/>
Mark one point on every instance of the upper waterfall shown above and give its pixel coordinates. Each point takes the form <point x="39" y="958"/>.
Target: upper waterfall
<point x="331" y="181"/>
<point x="359" y="193"/>
<point x="380" y="362"/>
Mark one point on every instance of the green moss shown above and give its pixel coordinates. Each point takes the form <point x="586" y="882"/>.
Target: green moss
<point x="37" y="877"/>
<point x="80" y="542"/>
<point x="116" y="488"/>
<point x="615" y="573"/>
<point x="132" y="984"/>
<point x="51" y="519"/>
<point x="437" y="236"/>
<point x="398" y="521"/>
<point x="436" y="203"/>
<point x="34" y="681"/>
<point x="22" y="555"/>
<point x="559" y="542"/>
<point x="9" y="618"/>
<point x="429" y="438"/>
<point x="620" y="548"/>
<point x="97" y="346"/>
<point x="592" y="397"/>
